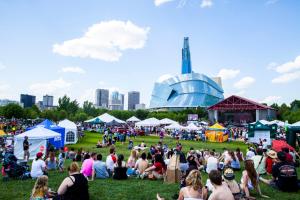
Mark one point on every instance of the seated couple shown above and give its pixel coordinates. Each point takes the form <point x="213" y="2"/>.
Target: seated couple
<point x="157" y="170"/>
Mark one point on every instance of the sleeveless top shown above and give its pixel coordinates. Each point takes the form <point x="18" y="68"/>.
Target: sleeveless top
<point x="191" y="198"/>
<point x="79" y="189"/>
<point x="51" y="164"/>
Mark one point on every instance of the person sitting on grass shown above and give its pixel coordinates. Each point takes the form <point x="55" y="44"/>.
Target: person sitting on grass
<point x="111" y="159"/>
<point x="51" y="161"/>
<point x="99" y="169"/>
<point x="132" y="159"/>
<point x="239" y="154"/>
<point x="259" y="162"/>
<point x="284" y="175"/>
<point x="72" y="154"/>
<point x="228" y="176"/>
<point x="38" y="167"/>
<point x="120" y="169"/>
<point x="87" y="165"/>
<point x="61" y="160"/>
<point x="75" y="186"/>
<point x="194" y="188"/>
<point x="40" y="190"/>
<point x="220" y="190"/>
<point x="250" y="180"/>
<point x="234" y="163"/>
<point x="141" y="164"/>
<point x="157" y="170"/>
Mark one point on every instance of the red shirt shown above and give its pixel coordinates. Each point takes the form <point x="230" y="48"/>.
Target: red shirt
<point x="269" y="165"/>
<point x="158" y="167"/>
<point x="289" y="158"/>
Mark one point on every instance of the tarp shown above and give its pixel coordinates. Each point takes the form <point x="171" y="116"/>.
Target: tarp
<point x="133" y="119"/>
<point x="71" y="136"/>
<point x="167" y="121"/>
<point x="192" y="127"/>
<point x="174" y="126"/>
<point x="37" y="138"/>
<point x="277" y="145"/>
<point x="148" y="122"/>
<point x="51" y="126"/>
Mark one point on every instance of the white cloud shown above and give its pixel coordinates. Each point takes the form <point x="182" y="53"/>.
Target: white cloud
<point x="228" y="73"/>
<point x="271" y="99"/>
<point x="51" y="87"/>
<point x="105" y="41"/>
<point x="206" y="3"/>
<point x="272" y="65"/>
<point x="287" y="77"/>
<point x="78" y="70"/>
<point x="160" y="2"/>
<point x="163" y="78"/>
<point x="270" y="2"/>
<point x="244" y="83"/>
<point x="2" y="66"/>
<point x="289" y="66"/>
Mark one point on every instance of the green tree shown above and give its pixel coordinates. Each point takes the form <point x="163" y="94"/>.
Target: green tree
<point x="80" y="117"/>
<point x="65" y="103"/>
<point x="141" y="114"/>
<point x="89" y="109"/>
<point x="13" y="110"/>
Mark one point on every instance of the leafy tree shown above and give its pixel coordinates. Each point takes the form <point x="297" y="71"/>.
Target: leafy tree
<point x="65" y="103"/>
<point x="13" y="110"/>
<point x="141" y="114"/>
<point x="80" y="117"/>
<point x="30" y="113"/>
<point x="90" y="109"/>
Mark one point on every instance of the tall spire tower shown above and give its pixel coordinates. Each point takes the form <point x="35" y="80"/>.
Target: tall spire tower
<point x="186" y="57"/>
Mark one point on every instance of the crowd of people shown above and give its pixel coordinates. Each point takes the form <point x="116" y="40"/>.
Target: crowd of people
<point x="153" y="164"/>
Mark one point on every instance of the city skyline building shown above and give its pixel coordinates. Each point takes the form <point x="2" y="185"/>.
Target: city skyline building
<point x="188" y="89"/>
<point x="47" y="101"/>
<point x="116" y="101"/>
<point x="102" y="98"/>
<point x="27" y="100"/>
<point x="133" y="99"/>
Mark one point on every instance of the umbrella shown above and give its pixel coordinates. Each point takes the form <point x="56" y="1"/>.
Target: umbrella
<point x="277" y="145"/>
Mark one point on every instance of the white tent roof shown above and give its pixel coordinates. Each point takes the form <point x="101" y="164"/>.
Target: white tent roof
<point x="296" y="124"/>
<point x="107" y="118"/>
<point x="133" y="119"/>
<point x="67" y="124"/>
<point x="204" y="122"/>
<point x="167" y="121"/>
<point x="192" y="127"/>
<point x="38" y="133"/>
<point x="149" y="122"/>
<point x="175" y="126"/>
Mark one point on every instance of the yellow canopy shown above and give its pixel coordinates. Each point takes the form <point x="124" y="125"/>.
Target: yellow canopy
<point x="2" y="132"/>
<point x="216" y="126"/>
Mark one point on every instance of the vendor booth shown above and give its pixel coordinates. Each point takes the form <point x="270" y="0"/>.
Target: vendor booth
<point x="259" y="131"/>
<point x="291" y="135"/>
<point x="106" y="119"/>
<point x="51" y="126"/>
<point x="71" y="136"/>
<point x="38" y="138"/>
<point x="216" y="133"/>
<point x="133" y="119"/>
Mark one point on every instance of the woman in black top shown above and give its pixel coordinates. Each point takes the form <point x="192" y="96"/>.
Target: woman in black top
<point x="75" y="186"/>
<point x="120" y="169"/>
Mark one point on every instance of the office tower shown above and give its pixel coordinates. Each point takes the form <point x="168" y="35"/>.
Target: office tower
<point x="116" y="101"/>
<point x="47" y="101"/>
<point x="186" y="57"/>
<point x="133" y="99"/>
<point x="102" y="96"/>
<point x="27" y="100"/>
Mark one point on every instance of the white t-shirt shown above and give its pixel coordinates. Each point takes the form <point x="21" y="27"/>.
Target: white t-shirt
<point x="212" y="164"/>
<point x="265" y="145"/>
<point x="110" y="163"/>
<point x="250" y="154"/>
<point x="37" y="168"/>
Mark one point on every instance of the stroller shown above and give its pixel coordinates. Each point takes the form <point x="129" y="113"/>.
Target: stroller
<point x="12" y="169"/>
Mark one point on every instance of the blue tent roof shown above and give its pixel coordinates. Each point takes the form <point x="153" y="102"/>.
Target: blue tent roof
<point x="47" y="123"/>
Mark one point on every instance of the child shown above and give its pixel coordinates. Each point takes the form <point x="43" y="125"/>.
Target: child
<point x="130" y="145"/>
<point x="61" y="159"/>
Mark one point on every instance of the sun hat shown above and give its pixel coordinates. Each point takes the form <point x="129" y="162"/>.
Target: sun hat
<point x="228" y="174"/>
<point x="272" y="154"/>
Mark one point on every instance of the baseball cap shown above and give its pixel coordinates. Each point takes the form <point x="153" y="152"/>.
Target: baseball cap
<point x="228" y="174"/>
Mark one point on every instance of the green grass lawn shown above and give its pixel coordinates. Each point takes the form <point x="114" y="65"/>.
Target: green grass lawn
<point x="132" y="188"/>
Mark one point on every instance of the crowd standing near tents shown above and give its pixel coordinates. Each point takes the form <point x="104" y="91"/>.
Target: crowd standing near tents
<point x="268" y="153"/>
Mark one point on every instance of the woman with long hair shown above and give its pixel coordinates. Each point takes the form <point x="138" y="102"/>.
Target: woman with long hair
<point x="157" y="170"/>
<point x="239" y="154"/>
<point x="235" y="163"/>
<point x="194" y="188"/>
<point x="51" y="161"/>
<point x="40" y="189"/>
<point x="132" y="159"/>
<point x="250" y="179"/>
<point x="120" y="168"/>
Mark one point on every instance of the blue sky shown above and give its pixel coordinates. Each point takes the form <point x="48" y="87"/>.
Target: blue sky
<point x="73" y="47"/>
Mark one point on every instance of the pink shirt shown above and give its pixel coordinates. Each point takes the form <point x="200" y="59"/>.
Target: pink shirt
<point x="87" y="167"/>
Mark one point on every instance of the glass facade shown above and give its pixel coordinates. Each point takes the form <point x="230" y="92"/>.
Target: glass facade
<point x="186" y="90"/>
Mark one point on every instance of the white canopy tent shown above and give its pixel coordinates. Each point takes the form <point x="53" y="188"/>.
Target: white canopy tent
<point x="133" y="119"/>
<point x="174" y="126"/>
<point x="192" y="127"/>
<point x="37" y="139"/>
<point x="71" y="136"/>
<point x="295" y="124"/>
<point x="151" y="122"/>
<point x="167" y="121"/>
<point x="107" y="118"/>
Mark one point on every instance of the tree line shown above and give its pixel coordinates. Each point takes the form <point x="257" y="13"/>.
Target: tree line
<point x="68" y="108"/>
